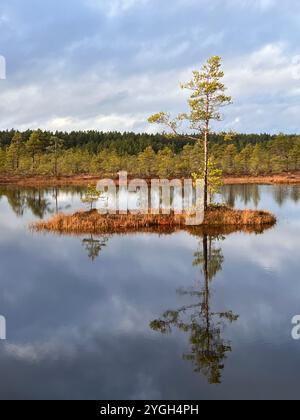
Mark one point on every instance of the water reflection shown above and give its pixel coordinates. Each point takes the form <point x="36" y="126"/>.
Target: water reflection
<point x="251" y="194"/>
<point x="40" y="201"/>
<point x="47" y="201"/>
<point x="79" y="309"/>
<point x="94" y="246"/>
<point x="247" y="194"/>
<point x="208" y="350"/>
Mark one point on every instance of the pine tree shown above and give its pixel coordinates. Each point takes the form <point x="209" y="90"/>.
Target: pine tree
<point x="147" y="162"/>
<point x="229" y="159"/>
<point x="14" y="152"/>
<point x="165" y="163"/>
<point x="258" y="160"/>
<point x="34" y="146"/>
<point x="207" y="97"/>
<point x="242" y="160"/>
<point x="55" y="148"/>
<point x="91" y="196"/>
<point x="2" y="161"/>
<point x="294" y="157"/>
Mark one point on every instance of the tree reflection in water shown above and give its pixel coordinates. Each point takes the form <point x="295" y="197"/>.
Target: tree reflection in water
<point x="40" y="201"/>
<point x="208" y="350"/>
<point x="246" y="193"/>
<point x="94" y="246"/>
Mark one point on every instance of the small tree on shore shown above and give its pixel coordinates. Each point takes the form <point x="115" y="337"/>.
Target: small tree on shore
<point x="91" y="196"/>
<point x="207" y="97"/>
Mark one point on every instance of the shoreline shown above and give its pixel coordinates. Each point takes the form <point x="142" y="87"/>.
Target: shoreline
<point x="286" y="178"/>
<point x="83" y="180"/>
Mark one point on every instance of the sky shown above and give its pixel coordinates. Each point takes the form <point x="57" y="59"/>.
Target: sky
<point x="109" y="64"/>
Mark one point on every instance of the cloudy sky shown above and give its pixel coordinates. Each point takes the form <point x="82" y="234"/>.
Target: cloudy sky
<point x="108" y="64"/>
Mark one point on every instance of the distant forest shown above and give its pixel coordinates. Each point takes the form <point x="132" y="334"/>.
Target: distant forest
<point x="93" y="152"/>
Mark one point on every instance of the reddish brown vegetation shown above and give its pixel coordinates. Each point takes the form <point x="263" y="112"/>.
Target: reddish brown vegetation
<point x="48" y="181"/>
<point x="93" y="222"/>
<point x="83" y="180"/>
<point x="285" y="178"/>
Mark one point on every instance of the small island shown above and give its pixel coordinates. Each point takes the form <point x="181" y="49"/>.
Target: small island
<point x="93" y="222"/>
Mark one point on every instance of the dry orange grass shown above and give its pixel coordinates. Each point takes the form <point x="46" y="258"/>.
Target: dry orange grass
<point x="226" y="216"/>
<point x="93" y="222"/>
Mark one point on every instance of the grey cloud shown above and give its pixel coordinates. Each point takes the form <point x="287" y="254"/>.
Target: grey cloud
<point x="83" y="61"/>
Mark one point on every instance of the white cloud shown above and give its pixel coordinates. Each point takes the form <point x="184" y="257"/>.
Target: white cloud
<point x="99" y="122"/>
<point x="115" y="7"/>
<point x="269" y="70"/>
<point x="261" y="4"/>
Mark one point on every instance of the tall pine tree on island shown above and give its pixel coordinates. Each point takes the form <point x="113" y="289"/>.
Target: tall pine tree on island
<point x="207" y="98"/>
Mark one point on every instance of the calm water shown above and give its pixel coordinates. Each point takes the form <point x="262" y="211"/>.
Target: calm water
<point x="146" y="316"/>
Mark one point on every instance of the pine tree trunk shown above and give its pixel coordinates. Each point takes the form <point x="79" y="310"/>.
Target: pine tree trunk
<point x="55" y="166"/>
<point x="206" y="290"/>
<point x="206" y="170"/>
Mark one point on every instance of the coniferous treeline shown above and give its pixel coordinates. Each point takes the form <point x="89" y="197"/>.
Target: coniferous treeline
<point x="92" y="152"/>
<point x="128" y="142"/>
